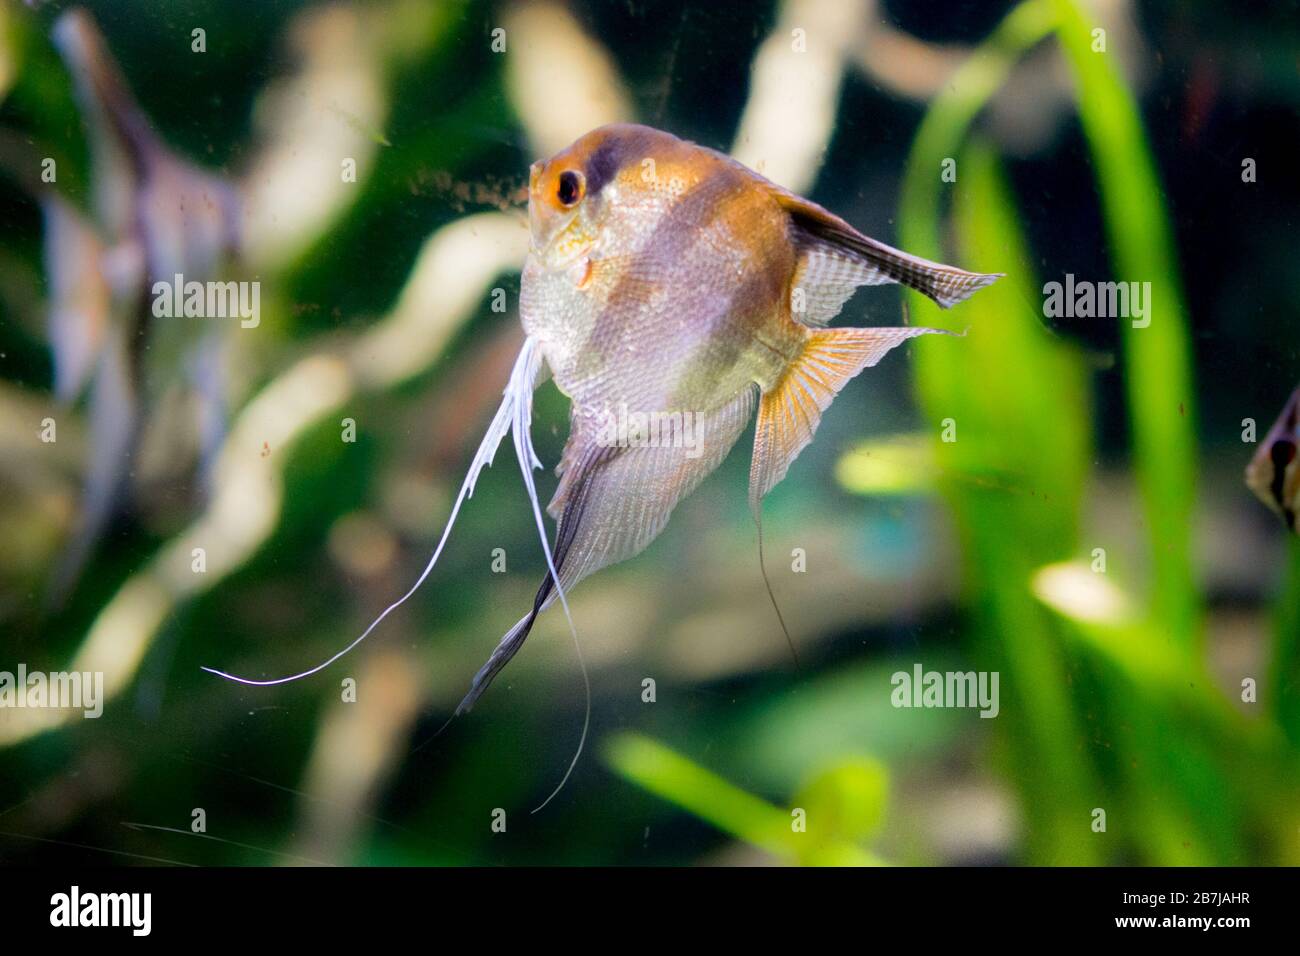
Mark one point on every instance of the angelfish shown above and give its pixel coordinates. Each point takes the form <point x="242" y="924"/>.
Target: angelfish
<point x="667" y="282"/>
<point x="1274" y="473"/>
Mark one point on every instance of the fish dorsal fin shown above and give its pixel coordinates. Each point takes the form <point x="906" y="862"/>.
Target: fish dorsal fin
<point x="788" y="414"/>
<point x="834" y="259"/>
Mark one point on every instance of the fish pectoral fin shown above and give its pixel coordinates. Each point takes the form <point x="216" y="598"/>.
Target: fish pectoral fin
<point x="789" y="413"/>
<point x="834" y="259"/>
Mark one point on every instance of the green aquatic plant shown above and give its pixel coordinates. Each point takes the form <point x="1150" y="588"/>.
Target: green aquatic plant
<point x="836" y="811"/>
<point x="1114" y="710"/>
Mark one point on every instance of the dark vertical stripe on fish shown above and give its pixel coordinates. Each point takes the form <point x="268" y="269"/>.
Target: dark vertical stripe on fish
<point x="1282" y="454"/>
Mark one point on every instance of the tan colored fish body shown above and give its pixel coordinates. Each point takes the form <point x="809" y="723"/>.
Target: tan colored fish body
<point x="1274" y="473"/>
<point x="666" y="280"/>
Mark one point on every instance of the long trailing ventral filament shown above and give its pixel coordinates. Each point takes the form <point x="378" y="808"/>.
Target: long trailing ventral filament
<point x="514" y="414"/>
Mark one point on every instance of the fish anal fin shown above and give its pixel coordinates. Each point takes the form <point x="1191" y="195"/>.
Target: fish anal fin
<point x="513" y="640"/>
<point x="788" y="414"/>
<point x="505" y="650"/>
<point x="614" y="499"/>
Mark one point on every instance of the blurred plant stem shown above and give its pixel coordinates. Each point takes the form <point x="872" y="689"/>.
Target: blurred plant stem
<point x="999" y="412"/>
<point x="1158" y="355"/>
<point x="944" y="126"/>
<point x="1159" y="375"/>
<point x="1284" y="683"/>
<point x="1163" y="746"/>
<point x="1014" y="476"/>
<point x="667" y="774"/>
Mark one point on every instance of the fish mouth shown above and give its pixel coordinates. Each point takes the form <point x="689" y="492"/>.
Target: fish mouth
<point x="562" y="261"/>
<point x="565" y="246"/>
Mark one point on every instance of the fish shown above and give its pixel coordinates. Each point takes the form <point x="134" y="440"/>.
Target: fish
<point x="667" y="283"/>
<point x="1273" y="473"/>
<point x="156" y="216"/>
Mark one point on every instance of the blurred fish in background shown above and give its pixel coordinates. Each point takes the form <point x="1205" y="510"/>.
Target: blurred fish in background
<point x="156" y="218"/>
<point x="1274" y="473"/>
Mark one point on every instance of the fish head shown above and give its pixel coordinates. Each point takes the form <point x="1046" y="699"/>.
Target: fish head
<point x="577" y="194"/>
<point x="563" y="211"/>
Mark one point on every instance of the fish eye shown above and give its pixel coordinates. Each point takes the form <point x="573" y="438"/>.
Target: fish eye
<point x="570" y="188"/>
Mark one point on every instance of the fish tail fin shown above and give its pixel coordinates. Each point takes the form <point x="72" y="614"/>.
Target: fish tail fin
<point x="788" y="414"/>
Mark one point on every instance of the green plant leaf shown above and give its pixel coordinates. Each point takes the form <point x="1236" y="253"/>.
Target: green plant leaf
<point x="675" y="778"/>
